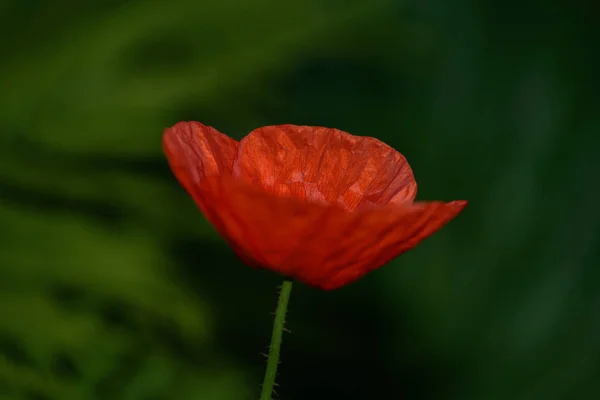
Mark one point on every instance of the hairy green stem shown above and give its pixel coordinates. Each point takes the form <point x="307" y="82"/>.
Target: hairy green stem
<point x="273" y="358"/>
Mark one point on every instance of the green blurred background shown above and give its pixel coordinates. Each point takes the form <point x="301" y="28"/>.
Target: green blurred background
<point x="113" y="286"/>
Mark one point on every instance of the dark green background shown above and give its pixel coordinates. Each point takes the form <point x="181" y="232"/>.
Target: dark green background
<point x="113" y="286"/>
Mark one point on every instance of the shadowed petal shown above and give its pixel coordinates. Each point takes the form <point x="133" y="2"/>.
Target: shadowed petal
<point x="324" y="165"/>
<point x="195" y="151"/>
<point x="381" y="235"/>
<point x="320" y="245"/>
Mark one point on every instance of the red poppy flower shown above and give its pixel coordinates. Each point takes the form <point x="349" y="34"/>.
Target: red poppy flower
<point x="315" y="204"/>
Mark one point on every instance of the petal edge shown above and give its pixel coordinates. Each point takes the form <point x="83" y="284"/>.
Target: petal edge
<point x="195" y="151"/>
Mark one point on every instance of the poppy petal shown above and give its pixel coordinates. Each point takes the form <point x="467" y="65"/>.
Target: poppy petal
<point x="321" y="245"/>
<point x="325" y="165"/>
<point x="195" y="151"/>
<point x="391" y="231"/>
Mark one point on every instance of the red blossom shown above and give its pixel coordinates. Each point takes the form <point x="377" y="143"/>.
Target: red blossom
<point x="316" y="204"/>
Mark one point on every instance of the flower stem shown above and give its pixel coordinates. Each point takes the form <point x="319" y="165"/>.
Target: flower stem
<point x="273" y="358"/>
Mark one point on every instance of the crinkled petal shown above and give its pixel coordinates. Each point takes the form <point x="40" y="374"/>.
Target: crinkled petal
<point x="324" y="165"/>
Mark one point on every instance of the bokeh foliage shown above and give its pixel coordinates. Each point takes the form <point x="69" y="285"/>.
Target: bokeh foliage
<point x="112" y="286"/>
